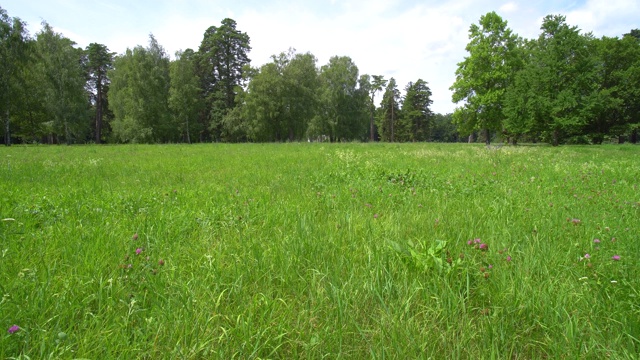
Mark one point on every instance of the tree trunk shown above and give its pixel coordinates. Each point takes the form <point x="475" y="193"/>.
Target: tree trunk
<point x="67" y="137"/>
<point x="371" y="128"/>
<point x="634" y="136"/>
<point x="487" y="139"/>
<point x="99" y="111"/>
<point x="470" y="140"/>
<point x="392" y="134"/>
<point x="188" y="137"/>
<point x="7" y="128"/>
<point x="556" y="135"/>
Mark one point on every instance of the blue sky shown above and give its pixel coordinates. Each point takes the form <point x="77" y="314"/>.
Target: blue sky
<point x="404" y="39"/>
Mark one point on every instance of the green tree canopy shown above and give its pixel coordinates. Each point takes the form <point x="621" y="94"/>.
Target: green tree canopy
<point x="553" y="93"/>
<point x="63" y="82"/>
<point x="416" y="122"/>
<point x="13" y="58"/>
<point x="389" y="111"/>
<point x="139" y="95"/>
<point x="222" y="59"/>
<point x="185" y="101"/>
<point x="483" y="76"/>
<point x="343" y="108"/>
<point x="99" y="62"/>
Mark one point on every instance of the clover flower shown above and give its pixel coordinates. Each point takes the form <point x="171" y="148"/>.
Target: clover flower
<point x="13" y="329"/>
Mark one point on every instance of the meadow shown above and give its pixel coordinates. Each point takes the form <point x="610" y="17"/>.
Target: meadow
<point x="311" y="251"/>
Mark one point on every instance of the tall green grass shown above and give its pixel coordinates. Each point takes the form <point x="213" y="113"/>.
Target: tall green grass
<point x="320" y="251"/>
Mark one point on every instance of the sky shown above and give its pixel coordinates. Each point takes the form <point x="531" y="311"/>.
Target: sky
<point x="404" y="39"/>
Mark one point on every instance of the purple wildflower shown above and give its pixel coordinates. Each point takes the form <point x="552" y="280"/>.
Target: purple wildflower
<point x="587" y="256"/>
<point x="616" y="257"/>
<point x="596" y="241"/>
<point x="469" y="242"/>
<point x="508" y="257"/>
<point x="483" y="246"/>
<point x="13" y="329"/>
<point x="138" y="251"/>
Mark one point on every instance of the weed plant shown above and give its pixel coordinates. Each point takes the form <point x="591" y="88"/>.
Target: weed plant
<point x="297" y="251"/>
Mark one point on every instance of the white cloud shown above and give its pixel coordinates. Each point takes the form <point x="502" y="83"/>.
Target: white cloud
<point x="606" y="18"/>
<point x="508" y="8"/>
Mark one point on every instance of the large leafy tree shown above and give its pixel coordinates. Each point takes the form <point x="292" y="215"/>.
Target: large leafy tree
<point x="630" y="82"/>
<point x="63" y="80"/>
<point x="262" y="104"/>
<point x="372" y="85"/>
<point x="389" y="111"/>
<point x="554" y="92"/>
<point x="444" y="130"/>
<point x="99" y="62"/>
<point x="139" y="95"/>
<point x="481" y="79"/>
<point x="416" y="118"/>
<point x="281" y="97"/>
<point x="222" y="60"/>
<point x="343" y="111"/>
<point x="184" y="94"/>
<point x="13" y="57"/>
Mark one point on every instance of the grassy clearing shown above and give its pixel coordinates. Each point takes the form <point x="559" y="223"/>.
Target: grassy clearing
<point x="320" y="251"/>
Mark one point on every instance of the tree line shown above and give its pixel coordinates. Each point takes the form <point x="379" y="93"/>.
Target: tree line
<point x="55" y="92"/>
<point x="563" y="87"/>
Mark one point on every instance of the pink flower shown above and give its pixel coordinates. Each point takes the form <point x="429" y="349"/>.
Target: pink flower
<point x="508" y="257"/>
<point x="587" y="256"/>
<point x="597" y="241"/>
<point x="138" y="251"/>
<point x="616" y="257"/>
<point x="483" y="247"/>
<point x="13" y="329"/>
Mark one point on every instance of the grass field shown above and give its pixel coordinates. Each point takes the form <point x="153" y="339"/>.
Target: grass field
<point x="319" y="251"/>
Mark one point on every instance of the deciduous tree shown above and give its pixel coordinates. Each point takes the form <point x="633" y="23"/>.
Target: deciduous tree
<point x="389" y="111"/>
<point x="66" y="100"/>
<point x="13" y="58"/>
<point x="343" y="111"/>
<point x="139" y="95"/>
<point x="554" y="90"/>
<point x="185" y="101"/>
<point x="483" y="76"/>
